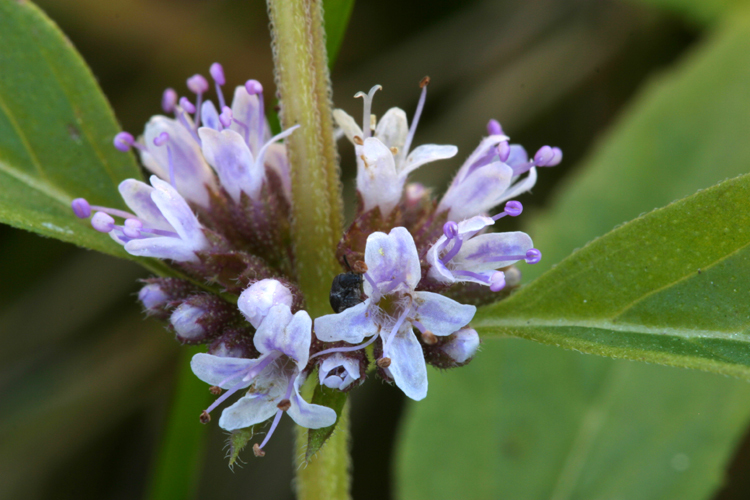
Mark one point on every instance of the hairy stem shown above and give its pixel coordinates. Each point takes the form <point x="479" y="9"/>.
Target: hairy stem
<point x="303" y="83"/>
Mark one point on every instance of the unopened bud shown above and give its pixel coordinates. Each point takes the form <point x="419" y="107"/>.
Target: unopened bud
<point x="462" y="345"/>
<point x="185" y="319"/>
<point x="256" y="302"/>
<point x="152" y="297"/>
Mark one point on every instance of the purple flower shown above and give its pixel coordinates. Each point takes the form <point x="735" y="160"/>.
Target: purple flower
<point x="463" y="254"/>
<point x="393" y="308"/>
<point x="385" y="160"/>
<point x="272" y="380"/>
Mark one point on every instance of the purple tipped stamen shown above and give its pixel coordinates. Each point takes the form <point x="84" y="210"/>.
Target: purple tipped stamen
<point x="225" y="118"/>
<point x="161" y="139"/>
<point x="123" y="141"/>
<point x="253" y="87"/>
<point x="512" y="208"/>
<point x="186" y="105"/>
<point x="81" y="208"/>
<point x="457" y="243"/>
<point x="132" y="228"/>
<point x="102" y="222"/>
<point x="548" y="156"/>
<point x="497" y="281"/>
<point x="169" y="100"/>
<point x="494" y="128"/>
<point x="198" y="85"/>
<point x="367" y="111"/>
<point x="533" y="256"/>
<point x="450" y="229"/>
<point x="217" y="73"/>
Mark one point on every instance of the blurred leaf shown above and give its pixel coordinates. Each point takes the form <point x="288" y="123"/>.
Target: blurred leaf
<point x="531" y="421"/>
<point x="177" y="467"/>
<point x="336" y="15"/>
<point x="333" y="399"/>
<point x="670" y="287"/>
<point x="56" y="132"/>
<point x="704" y="11"/>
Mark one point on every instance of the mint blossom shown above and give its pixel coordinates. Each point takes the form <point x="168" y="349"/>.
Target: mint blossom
<point x="392" y="310"/>
<point x="385" y="159"/>
<point x="271" y="382"/>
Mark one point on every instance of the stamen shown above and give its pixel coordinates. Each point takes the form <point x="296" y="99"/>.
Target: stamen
<point x="254" y="87"/>
<point x="548" y="156"/>
<point x="225" y="118"/>
<point x="497" y="281"/>
<point x="366" y="113"/>
<point x="215" y="390"/>
<point x="450" y="229"/>
<point x="257" y="451"/>
<point x="284" y="405"/>
<point x="376" y="293"/>
<point x="494" y="128"/>
<point x="457" y="243"/>
<point x="277" y="417"/>
<point x="102" y="222"/>
<point x="417" y="114"/>
<point x="123" y="141"/>
<point x="429" y="338"/>
<point x="205" y="417"/>
<point x="132" y="228"/>
<point x="358" y="140"/>
<point x="186" y="105"/>
<point x="470" y="274"/>
<point x="383" y="362"/>
<point x="114" y="211"/>
<point x="512" y="208"/>
<point x="503" y="151"/>
<point x="169" y="100"/>
<point x="81" y="208"/>
<point x="217" y="73"/>
<point x="533" y="256"/>
<point x="198" y="85"/>
<point x="397" y="326"/>
<point x="345" y="349"/>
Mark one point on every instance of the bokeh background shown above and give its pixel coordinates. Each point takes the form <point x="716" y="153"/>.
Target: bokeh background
<point x="86" y="383"/>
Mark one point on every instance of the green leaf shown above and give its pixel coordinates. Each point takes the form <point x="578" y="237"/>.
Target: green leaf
<point x="336" y="15"/>
<point x="703" y="11"/>
<point x="670" y="287"/>
<point x="56" y="132"/>
<point x="529" y="421"/>
<point x="333" y="399"/>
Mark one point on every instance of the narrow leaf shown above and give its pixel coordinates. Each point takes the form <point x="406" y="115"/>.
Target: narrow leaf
<point x="56" y="132"/>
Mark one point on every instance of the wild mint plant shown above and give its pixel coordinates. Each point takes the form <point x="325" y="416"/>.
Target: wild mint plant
<point x="663" y="288"/>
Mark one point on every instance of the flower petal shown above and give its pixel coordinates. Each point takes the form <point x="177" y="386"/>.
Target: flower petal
<point x="407" y="367"/>
<point x="486" y="251"/>
<point x="517" y="155"/>
<point x="520" y="187"/>
<point x="209" y="116"/>
<point x="228" y="153"/>
<point x="245" y="109"/>
<point x="214" y="370"/>
<point x="248" y="410"/>
<point x="161" y="247"/>
<point x="137" y="196"/>
<point x="347" y="124"/>
<point x="175" y="209"/>
<point x="392" y="256"/>
<point x="392" y="129"/>
<point x="478" y="193"/>
<point x="280" y="331"/>
<point x="191" y="172"/>
<point x="441" y="315"/>
<point x="351" y="325"/>
<point x="485" y="145"/>
<point x="309" y="415"/>
<point x="425" y="154"/>
<point x="377" y="180"/>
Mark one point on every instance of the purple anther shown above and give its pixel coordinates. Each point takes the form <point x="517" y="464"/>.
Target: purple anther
<point x="513" y="208"/>
<point x="225" y="118"/>
<point x="544" y="156"/>
<point x="169" y="100"/>
<point x="533" y="256"/>
<point x="132" y="228"/>
<point x="494" y="128"/>
<point x="197" y="84"/>
<point x="450" y="229"/>
<point x="217" y="73"/>
<point x="161" y="139"/>
<point x="556" y="157"/>
<point x="81" y="208"/>
<point x="188" y="106"/>
<point x="497" y="281"/>
<point x="503" y="151"/>
<point x="102" y="222"/>
<point x="253" y="87"/>
<point x="123" y="141"/>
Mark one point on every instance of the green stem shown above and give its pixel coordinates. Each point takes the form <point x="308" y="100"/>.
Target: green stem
<point x="303" y="83"/>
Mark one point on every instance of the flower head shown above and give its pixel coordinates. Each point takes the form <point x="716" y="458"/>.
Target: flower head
<point x="393" y="309"/>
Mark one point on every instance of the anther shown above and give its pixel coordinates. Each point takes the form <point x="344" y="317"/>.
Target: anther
<point x="205" y="417"/>
<point x="217" y="73"/>
<point x="257" y="451"/>
<point x="215" y="390"/>
<point x="161" y="139"/>
<point x="424" y="82"/>
<point x="450" y="229"/>
<point x="81" y="208"/>
<point x="123" y="141"/>
<point x="102" y="222"/>
<point x="503" y="151"/>
<point x="394" y="150"/>
<point x="359" y="267"/>
<point x="188" y="106"/>
<point x="547" y="156"/>
<point x="226" y="116"/>
<point x="513" y="208"/>
<point x="169" y="100"/>
<point x="497" y="281"/>
<point x="384" y="362"/>
<point x="253" y="87"/>
<point x="197" y="84"/>
<point x="284" y="405"/>
<point x="494" y="128"/>
<point x="132" y="228"/>
<point x="533" y="256"/>
<point x="429" y="338"/>
<point x="358" y="140"/>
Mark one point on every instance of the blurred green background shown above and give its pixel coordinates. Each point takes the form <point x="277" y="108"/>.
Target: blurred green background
<point x="86" y="383"/>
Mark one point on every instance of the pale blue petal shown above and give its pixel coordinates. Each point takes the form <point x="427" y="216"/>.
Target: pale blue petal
<point x="478" y="193"/>
<point x="392" y="129"/>
<point x="377" y="180"/>
<point x="441" y="315"/>
<point x="179" y="214"/>
<point x="351" y="325"/>
<point x="248" y="410"/>
<point x="425" y="154"/>
<point x="214" y="370"/>
<point x="407" y="367"/>
<point x="486" y="251"/>
<point x="209" y="116"/>
<point x="161" y="247"/>
<point x="137" y="196"/>
<point x="392" y="256"/>
<point x="280" y="331"/>
<point x="228" y="154"/>
<point x="309" y="415"/>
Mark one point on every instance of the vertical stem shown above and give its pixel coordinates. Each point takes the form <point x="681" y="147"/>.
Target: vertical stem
<point x="303" y="83"/>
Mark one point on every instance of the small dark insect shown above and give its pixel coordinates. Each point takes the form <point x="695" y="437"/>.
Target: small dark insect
<point x="346" y="290"/>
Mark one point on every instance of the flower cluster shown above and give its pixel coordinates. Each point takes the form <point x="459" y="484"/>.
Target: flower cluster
<point x="217" y="209"/>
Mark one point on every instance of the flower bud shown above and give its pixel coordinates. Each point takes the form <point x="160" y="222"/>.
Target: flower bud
<point x="185" y="321"/>
<point x="152" y="297"/>
<point x="339" y="371"/>
<point x="257" y="301"/>
<point x="203" y="317"/>
<point x="462" y="345"/>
